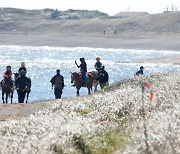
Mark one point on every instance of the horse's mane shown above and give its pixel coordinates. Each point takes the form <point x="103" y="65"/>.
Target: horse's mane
<point x="89" y="74"/>
<point x="76" y="73"/>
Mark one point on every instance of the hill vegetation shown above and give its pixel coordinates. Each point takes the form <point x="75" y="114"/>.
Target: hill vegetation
<point x="49" y="21"/>
<point x="110" y="121"/>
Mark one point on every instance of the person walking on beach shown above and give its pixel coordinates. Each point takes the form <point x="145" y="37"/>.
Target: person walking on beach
<point x="83" y="69"/>
<point x="98" y="64"/>
<point x="22" y="68"/>
<point x="103" y="77"/>
<point x="140" y="72"/>
<point x="23" y="85"/>
<point x="58" y="82"/>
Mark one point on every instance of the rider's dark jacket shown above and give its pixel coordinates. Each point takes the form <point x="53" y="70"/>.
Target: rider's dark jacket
<point x="21" y="82"/>
<point x="22" y="68"/>
<point x="103" y="76"/>
<point x="98" y="65"/>
<point x="83" y="67"/>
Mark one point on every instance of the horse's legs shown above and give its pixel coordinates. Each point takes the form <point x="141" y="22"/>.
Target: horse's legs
<point x="6" y="98"/>
<point x="27" y="96"/>
<point x="77" y="92"/>
<point x="3" y="97"/>
<point x="95" y="84"/>
<point x="11" y="97"/>
<point x="89" y="90"/>
<point x="23" y="96"/>
<point x="95" y="87"/>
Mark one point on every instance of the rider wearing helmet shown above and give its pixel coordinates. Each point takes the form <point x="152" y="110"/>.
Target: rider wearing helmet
<point x="98" y="64"/>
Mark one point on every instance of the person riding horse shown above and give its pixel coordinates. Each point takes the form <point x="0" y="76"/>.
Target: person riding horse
<point x="83" y="69"/>
<point x="98" y="64"/>
<point x="23" y="85"/>
<point x="8" y="75"/>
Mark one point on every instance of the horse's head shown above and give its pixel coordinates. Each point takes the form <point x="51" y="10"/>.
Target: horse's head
<point x="16" y="75"/>
<point x="74" y="76"/>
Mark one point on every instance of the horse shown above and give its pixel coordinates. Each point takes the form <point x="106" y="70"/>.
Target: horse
<point x="7" y="89"/>
<point x="27" y="89"/>
<point x="77" y="79"/>
<point x="94" y="74"/>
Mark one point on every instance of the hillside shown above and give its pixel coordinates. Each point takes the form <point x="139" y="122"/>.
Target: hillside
<point x="88" y="23"/>
<point x="106" y="122"/>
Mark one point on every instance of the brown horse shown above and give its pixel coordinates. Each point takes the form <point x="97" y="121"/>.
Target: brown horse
<point x="6" y="89"/>
<point x="94" y="74"/>
<point x="77" y="79"/>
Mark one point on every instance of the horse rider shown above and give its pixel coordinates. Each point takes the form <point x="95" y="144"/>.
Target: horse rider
<point x="8" y="75"/>
<point x="58" y="83"/>
<point x="22" y="68"/>
<point x="22" y="83"/>
<point x="98" y="64"/>
<point x="83" y="69"/>
<point x="103" y="77"/>
<point x="140" y="72"/>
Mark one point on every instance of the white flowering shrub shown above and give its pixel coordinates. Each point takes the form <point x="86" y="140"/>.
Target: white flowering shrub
<point x="52" y="130"/>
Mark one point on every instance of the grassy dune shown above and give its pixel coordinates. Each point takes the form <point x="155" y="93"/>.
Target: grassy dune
<point x="83" y="22"/>
<point x="110" y="121"/>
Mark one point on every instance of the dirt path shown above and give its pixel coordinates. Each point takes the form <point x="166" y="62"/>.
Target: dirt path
<point x="16" y="111"/>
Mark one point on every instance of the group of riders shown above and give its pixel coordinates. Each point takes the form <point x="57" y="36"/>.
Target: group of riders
<point x="102" y="76"/>
<point x="21" y="83"/>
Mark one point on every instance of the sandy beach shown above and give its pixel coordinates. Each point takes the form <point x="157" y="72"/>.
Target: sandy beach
<point x="94" y="41"/>
<point x="16" y="111"/>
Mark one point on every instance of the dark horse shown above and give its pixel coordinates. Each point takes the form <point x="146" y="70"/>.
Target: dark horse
<point x="25" y="91"/>
<point x="7" y="89"/>
<point x="76" y="78"/>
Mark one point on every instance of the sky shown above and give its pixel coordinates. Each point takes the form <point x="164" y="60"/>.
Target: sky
<point x="108" y="6"/>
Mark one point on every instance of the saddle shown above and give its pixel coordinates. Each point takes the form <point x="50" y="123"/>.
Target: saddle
<point x="88" y="76"/>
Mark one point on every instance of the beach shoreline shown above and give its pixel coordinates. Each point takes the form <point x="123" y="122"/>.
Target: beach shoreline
<point x="94" y="41"/>
<point x="23" y="110"/>
<point x="99" y="41"/>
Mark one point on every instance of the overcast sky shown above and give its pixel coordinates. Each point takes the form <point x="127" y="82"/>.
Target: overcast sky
<point x="108" y="6"/>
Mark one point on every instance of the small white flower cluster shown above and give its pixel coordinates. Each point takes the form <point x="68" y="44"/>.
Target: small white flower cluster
<point x="101" y="112"/>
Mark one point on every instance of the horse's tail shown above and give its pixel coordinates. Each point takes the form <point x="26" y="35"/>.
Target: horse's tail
<point x="90" y="76"/>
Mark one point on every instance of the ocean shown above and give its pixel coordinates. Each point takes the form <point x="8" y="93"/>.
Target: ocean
<point x="42" y="62"/>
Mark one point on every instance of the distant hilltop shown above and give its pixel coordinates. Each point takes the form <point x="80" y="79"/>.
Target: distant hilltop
<point x="89" y="23"/>
<point x="130" y="14"/>
<point x="13" y="13"/>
